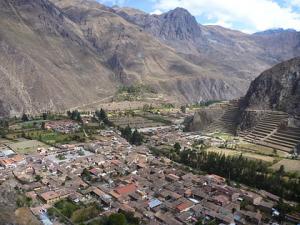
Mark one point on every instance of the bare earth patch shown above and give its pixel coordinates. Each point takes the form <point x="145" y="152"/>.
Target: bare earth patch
<point x="24" y="217"/>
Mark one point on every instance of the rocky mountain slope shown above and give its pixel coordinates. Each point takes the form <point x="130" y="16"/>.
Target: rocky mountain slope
<point x="63" y="53"/>
<point x="277" y="88"/>
<point x="233" y="52"/>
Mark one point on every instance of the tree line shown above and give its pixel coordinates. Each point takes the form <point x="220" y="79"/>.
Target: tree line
<point x="133" y="137"/>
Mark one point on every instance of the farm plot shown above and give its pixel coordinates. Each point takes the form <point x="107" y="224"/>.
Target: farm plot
<point x="251" y="156"/>
<point x="245" y="146"/>
<point x="289" y="165"/>
<point x="226" y="152"/>
<point x="26" y="146"/>
<point x="254" y="156"/>
<point x="135" y="122"/>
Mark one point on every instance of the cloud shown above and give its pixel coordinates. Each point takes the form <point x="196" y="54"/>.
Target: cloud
<point x="251" y="15"/>
<point x="113" y="2"/>
<point x="156" y="12"/>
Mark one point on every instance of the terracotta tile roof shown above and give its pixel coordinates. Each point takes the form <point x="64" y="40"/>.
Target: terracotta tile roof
<point x="125" y="190"/>
<point x="49" y="195"/>
<point x="184" y="206"/>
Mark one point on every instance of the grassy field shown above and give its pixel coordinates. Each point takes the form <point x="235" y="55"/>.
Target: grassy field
<point x="245" y="146"/>
<point x="136" y="121"/>
<point x="51" y="137"/>
<point x="226" y="152"/>
<point x="264" y="158"/>
<point x="289" y="165"/>
<point x="26" y="146"/>
<point x="252" y="156"/>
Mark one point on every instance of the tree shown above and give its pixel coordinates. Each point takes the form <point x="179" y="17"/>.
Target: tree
<point x="102" y="114"/>
<point x="126" y="132"/>
<point x="38" y="177"/>
<point x="146" y="108"/>
<point x="177" y="147"/>
<point x="45" y="116"/>
<point x="281" y="171"/>
<point x="86" y="174"/>
<point x="25" y="118"/>
<point x="69" y="114"/>
<point x="183" y="109"/>
<point x="136" y="138"/>
<point x="117" y="219"/>
<point x="43" y="126"/>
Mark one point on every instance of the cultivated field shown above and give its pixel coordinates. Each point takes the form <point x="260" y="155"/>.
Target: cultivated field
<point x="253" y="156"/>
<point x="245" y="146"/>
<point x="289" y="165"/>
<point x="226" y="152"/>
<point x="136" y="122"/>
<point x="26" y="146"/>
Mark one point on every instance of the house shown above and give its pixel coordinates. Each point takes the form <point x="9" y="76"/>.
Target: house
<point x="154" y="203"/>
<point x="172" y="178"/>
<point x="184" y="206"/>
<point x="54" y="196"/>
<point x="215" y="179"/>
<point x="221" y="200"/>
<point x="126" y="190"/>
<point x="252" y="197"/>
<point x="247" y="217"/>
<point x="167" y="218"/>
<point x="269" y="195"/>
<point x="266" y="206"/>
<point x="293" y="217"/>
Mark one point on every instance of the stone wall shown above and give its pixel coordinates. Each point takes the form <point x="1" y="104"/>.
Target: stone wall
<point x="250" y="118"/>
<point x="294" y="122"/>
<point x="203" y="118"/>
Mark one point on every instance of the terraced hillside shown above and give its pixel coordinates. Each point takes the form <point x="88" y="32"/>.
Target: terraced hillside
<point x="272" y="132"/>
<point x="228" y="122"/>
<point x="220" y="117"/>
<point x="274" y="98"/>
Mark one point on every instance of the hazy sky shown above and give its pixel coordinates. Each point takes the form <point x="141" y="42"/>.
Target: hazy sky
<point x="245" y="15"/>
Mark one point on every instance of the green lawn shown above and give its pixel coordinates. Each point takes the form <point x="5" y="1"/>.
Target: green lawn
<point x="26" y="146"/>
<point x="51" y="137"/>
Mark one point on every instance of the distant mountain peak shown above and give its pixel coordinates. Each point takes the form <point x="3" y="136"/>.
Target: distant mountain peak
<point x="179" y="24"/>
<point x="180" y="10"/>
<point x="274" y="31"/>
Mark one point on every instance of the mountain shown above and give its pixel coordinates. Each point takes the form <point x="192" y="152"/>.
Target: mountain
<point x="45" y="61"/>
<point x="233" y="52"/>
<point x="277" y="89"/>
<point x="275" y="31"/>
<point x="60" y="54"/>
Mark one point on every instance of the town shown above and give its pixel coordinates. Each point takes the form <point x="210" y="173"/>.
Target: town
<point x="93" y="168"/>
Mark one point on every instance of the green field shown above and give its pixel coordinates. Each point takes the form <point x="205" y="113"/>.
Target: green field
<point x="51" y="137"/>
<point x="26" y="146"/>
<point x="249" y="155"/>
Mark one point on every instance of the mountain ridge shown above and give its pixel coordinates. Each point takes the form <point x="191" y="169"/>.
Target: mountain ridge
<point x="57" y="54"/>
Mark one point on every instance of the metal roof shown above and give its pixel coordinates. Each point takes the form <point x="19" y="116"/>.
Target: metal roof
<point x="154" y="202"/>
